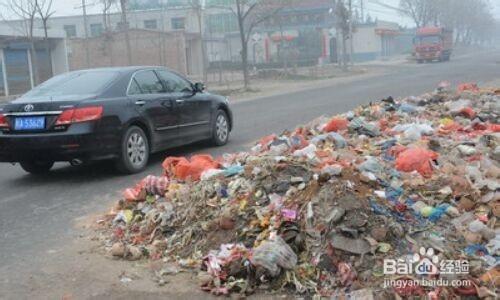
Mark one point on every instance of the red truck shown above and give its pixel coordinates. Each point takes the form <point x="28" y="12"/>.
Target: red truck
<point x="433" y="43"/>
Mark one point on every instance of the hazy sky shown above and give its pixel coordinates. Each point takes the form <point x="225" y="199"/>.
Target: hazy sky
<point x="72" y="7"/>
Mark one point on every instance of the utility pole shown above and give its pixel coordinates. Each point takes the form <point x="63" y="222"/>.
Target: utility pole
<point x="86" y="30"/>
<point x="351" y="50"/>
<point x="123" y="5"/>
<point x="362" y="5"/>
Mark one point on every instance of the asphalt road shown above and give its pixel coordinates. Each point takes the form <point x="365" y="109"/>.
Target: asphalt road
<point x="37" y="214"/>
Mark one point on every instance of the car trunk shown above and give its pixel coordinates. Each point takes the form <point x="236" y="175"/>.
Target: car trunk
<point x="37" y="115"/>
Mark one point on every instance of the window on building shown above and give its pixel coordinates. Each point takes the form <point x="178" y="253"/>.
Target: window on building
<point x="18" y="71"/>
<point x="70" y="30"/>
<point x="44" y="66"/>
<point x="225" y="22"/>
<point x="219" y="2"/>
<point x="178" y="3"/>
<point x="178" y="23"/>
<point x="96" y="29"/>
<point x="150" y="24"/>
<point x="2" y="83"/>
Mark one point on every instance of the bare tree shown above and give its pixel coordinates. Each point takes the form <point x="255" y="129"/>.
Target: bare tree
<point x="249" y="14"/>
<point x="44" y="10"/>
<point x="25" y="11"/>
<point x="125" y="28"/>
<point x="197" y="6"/>
<point x="471" y="20"/>
<point x="422" y="12"/>
<point x="107" y="36"/>
<point x="342" y="26"/>
<point x="106" y="8"/>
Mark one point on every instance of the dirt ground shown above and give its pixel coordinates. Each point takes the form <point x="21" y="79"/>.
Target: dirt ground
<point x="83" y="270"/>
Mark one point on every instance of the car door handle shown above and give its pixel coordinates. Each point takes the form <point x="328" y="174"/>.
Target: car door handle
<point x="179" y="101"/>
<point x="140" y="102"/>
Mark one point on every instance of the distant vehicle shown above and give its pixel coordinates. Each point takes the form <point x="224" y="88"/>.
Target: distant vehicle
<point x="433" y="43"/>
<point x="112" y="113"/>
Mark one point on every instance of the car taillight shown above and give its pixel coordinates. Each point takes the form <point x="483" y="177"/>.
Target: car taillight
<point x="79" y="115"/>
<point x="3" y="121"/>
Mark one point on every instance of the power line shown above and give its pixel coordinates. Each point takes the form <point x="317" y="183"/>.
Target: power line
<point x="385" y="5"/>
<point x="373" y="10"/>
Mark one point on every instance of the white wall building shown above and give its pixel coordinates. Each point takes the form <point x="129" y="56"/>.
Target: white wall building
<point x="171" y="19"/>
<point x="19" y="70"/>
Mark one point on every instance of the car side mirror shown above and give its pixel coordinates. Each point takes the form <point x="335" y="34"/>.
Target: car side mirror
<point x="198" y="87"/>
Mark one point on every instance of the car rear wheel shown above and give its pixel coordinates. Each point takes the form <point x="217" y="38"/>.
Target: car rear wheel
<point x="221" y="129"/>
<point x="134" y="154"/>
<point x="37" y="167"/>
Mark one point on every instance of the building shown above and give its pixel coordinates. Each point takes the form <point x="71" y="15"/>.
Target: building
<point x="375" y="40"/>
<point x="171" y="19"/>
<point x="301" y="34"/>
<point x="164" y="29"/>
<point x="20" y="70"/>
<point x="179" y="51"/>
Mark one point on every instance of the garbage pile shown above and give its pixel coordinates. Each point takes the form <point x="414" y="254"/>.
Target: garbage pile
<point x="366" y="204"/>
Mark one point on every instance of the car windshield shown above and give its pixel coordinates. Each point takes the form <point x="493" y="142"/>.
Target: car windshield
<point x="430" y="39"/>
<point x="78" y="83"/>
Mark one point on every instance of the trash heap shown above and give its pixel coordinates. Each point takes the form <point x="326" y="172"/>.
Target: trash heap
<point x="317" y="210"/>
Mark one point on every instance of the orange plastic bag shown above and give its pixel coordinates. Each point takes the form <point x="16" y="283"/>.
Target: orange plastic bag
<point x="416" y="159"/>
<point x="170" y="164"/>
<point x="336" y="124"/>
<point x="192" y="169"/>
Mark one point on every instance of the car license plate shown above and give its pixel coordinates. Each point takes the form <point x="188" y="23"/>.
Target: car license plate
<point x="29" y="123"/>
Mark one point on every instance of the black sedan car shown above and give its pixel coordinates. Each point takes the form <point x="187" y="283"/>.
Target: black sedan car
<point x="123" y="114"/>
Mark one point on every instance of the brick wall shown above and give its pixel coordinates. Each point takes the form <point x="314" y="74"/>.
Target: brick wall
<point x="149" y="48"/>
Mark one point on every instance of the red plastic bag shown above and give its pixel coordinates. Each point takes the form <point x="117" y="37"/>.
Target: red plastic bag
<point x="495" y="127"/>
<point x="137" y="193"/>
<point x="416" y="159"/>
<point x="449" y="128"/>
<point x="192" y="169"/>
<point x="469" y="86"/>
<point x="265" y="141"/>
<point x="336" y="124"/>
<point x="468" y="112"/>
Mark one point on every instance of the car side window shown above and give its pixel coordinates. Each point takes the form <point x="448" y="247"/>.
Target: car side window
<point x="174" y="83"/>
<point x="134" y="88"/>
<point x="148" y="82"/>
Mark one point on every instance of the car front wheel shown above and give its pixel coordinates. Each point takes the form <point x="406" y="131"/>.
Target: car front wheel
<point x="134" y="154"/>
<point x="37" y="167"/>
<point x="221" y="129"/>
